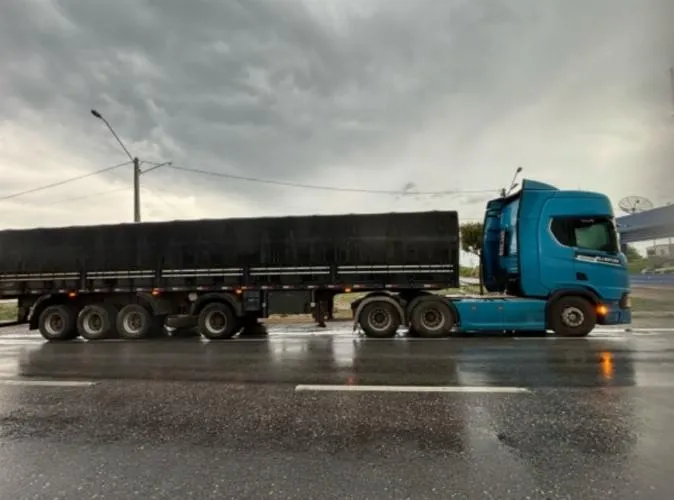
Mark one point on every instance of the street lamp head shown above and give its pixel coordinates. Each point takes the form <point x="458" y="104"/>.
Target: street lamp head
<point x="96" y="114"/>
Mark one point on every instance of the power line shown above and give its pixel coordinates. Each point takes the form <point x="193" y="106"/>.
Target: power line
<point x="154" y="192"/>
<point x="88" y="196"/>
<point x="328" y="188"/>
<point x="61" y="183"/>
<point x="91" y="195"/>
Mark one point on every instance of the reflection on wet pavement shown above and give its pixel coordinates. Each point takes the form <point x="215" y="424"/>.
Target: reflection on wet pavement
<point x="183" y="417"/>
<point x="340" y="360"/>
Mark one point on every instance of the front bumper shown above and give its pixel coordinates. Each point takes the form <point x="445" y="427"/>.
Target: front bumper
<point x="617" y="313"/>
<point x="616" y="316"/>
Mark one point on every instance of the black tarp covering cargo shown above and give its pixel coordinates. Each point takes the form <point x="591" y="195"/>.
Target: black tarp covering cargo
<point x="260" y="247"/>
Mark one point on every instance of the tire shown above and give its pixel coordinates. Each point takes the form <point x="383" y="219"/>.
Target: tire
<point x="572" y="316"/>
<point x="217" y="321"/>
<point x="58" y="323"/>
<point x="134" y="322"/>
<point x="432" y="319"/>
<point x="96" y="322"/>
<point x="380" y="320"/>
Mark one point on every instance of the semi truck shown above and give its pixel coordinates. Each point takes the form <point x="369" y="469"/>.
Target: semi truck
<point x="550" y="260"/>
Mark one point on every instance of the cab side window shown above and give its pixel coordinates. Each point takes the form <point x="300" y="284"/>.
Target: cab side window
<point x="597" y="234"/>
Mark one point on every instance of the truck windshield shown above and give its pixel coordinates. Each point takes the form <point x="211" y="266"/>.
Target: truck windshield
<point x="587" y="233"/>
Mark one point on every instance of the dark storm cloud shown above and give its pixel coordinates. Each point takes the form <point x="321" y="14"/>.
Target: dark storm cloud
<point x="278" y="90"/>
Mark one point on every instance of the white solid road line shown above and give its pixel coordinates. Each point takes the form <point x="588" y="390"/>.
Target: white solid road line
<point x="45" y="383"/>
<point x="407" y="388"/>
<point x="576" y="339"/>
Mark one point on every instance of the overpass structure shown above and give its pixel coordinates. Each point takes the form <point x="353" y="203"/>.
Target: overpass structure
<point x="648" y="225"/>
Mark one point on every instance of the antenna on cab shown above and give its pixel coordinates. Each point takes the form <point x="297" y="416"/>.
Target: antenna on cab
<point x="513" y="184"/>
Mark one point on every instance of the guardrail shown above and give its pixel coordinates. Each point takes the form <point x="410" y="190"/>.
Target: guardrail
<point x="652" y="279"/>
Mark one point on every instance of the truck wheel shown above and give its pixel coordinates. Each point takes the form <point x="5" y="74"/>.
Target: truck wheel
<point x="572" y="316"/>
<point x="134" y="322"/>
<point x="58" y="323"/>
<point x="380" y="320"/>
<point x="432" y="319"/>
<point x="96" y="322"/>
<point x="216" y="321"/>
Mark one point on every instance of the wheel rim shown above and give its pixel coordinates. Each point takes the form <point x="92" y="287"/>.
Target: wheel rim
<point x="379" y="319"/>
<point x="55" y="324"/>
<point x="216" y="322"/>
<point x="432" y="319"/>
<point x="573" y="317"/>
<point x="133" y="322"/>
<point x="93" y="323"/>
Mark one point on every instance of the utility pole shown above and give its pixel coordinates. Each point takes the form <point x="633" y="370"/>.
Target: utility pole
<point x="136" y="189"/>
<point x="671" y="81"/>
<point x="137" y="172"/>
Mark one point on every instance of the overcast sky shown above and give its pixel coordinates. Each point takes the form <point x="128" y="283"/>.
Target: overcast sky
<point x="416" y="95"/>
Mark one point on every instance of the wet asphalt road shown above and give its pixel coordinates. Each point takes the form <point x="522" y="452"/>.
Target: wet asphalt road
<point x="267" y="418"/>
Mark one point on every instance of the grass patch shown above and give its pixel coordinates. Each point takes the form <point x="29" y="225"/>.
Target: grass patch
<point x="635" y="267"/>
<point x="8" y="311"/>
<point x="650" y="300"/>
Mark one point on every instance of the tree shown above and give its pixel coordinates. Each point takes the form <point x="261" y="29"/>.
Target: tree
<point x="632" y="254"/>
<point x="471" y="242"/>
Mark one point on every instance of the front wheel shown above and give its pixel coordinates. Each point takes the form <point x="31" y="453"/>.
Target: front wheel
<point x="572" y="316"/>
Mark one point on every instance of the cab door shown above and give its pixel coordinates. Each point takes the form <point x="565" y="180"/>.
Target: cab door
<point x="598" y="260"/>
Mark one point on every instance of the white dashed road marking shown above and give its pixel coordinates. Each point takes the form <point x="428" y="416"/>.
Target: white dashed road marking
<point x="45" y="383"/>
<point x="407" y="388"/>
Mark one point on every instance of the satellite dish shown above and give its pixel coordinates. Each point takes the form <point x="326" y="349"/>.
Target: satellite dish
<point x="635" y="204"/>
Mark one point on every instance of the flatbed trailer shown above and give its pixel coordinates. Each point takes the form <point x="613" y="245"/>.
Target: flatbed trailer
<point x="223" y="275"/>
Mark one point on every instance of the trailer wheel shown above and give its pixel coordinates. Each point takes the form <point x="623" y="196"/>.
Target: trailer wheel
<point x="134" y="322"/>
<point x="58" y="322"/>
<point x="380" y="319"/>
<point x="96" y="322"/>
<point x="572" y="316"/>
<point x="432" y="319"/>
<point x="217" y="322"/>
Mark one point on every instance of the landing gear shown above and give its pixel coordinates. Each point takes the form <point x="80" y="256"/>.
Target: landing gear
<point x="324" y="307"/>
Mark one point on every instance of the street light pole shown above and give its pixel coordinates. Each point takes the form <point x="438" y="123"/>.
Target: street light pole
<point x="136" y="167"/>
<point x="112" y="131"/>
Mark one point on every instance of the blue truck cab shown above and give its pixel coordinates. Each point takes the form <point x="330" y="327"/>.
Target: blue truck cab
<point x="553" y="259"/>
